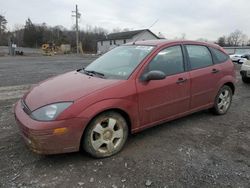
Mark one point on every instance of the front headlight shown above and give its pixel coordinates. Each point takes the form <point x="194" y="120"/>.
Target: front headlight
<point x="50" y="112"/>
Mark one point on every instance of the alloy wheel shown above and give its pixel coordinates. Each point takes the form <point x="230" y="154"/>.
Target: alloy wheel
<point x="107" y="135"/>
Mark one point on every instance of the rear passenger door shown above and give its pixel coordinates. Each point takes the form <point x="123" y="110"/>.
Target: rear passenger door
<point x="204" y="75"/>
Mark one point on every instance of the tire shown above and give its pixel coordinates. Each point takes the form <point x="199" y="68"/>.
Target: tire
<point x="245" y="79"/>
<point x="223" y="100"/>
<point x="105" y="135"/>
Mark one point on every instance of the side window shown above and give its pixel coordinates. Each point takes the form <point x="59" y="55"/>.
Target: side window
<point x="220" y="57"/>
<point x="199" y="56"/>
<point x="169" y="61"/>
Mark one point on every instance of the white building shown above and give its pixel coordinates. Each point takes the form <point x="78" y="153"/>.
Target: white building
<point x="116" y="39"/>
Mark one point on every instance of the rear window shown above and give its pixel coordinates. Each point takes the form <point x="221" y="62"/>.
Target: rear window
<point x="220" y="57"/>
<point x="199" y="56"/>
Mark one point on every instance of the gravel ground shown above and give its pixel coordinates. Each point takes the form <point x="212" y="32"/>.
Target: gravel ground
<point x="200" y="150"/>
<point x="30" y="70"/>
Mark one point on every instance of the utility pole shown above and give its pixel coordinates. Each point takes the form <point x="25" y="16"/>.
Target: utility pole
<point x="77" y="15"/>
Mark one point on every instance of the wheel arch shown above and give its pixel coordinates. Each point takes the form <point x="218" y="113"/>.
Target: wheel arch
<point x="118" y="110"/>
<point x="231" y="85"/>
<point x="123" y="113"/>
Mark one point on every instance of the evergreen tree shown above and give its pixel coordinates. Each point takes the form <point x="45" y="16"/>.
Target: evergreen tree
<point x="29" y="35"/>
<point x="3" y="23"/>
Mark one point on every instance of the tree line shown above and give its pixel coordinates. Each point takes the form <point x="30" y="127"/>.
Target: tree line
<point x="34" y="35"/>
<point x="236" y="38"/>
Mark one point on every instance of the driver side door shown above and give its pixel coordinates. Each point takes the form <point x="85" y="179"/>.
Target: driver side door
<point x="160" y="100"/>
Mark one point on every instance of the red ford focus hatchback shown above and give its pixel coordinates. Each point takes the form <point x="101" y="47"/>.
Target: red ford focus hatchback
<point x="128" y="89"/>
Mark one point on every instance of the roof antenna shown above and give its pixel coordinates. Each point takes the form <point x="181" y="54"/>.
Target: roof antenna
<point x="145" y="31"/>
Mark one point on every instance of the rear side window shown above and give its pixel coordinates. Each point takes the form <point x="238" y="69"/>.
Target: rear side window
<point x="169" y="61"/>
<point x="220" y="57"/>
<point x="199" y="56"/>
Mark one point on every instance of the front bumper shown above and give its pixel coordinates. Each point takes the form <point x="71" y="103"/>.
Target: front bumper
<point x="245" y="70"/>
<point x="41" y="137"/>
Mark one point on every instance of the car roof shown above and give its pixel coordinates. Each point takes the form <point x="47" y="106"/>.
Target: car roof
<point x="164" y="42"/>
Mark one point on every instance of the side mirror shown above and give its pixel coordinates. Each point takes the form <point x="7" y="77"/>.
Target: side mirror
<point x="153" y="75"/>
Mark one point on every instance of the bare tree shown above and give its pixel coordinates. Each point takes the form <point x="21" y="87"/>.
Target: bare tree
<point x="235" y="38"/>
<point x="244" y="39"/>
<point x="18" y="33"/>
<point x="248" y="43"/>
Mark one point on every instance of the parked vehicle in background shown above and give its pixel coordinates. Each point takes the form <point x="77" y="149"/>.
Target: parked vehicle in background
<point x="244" y="58"/>
<point x="128" y="89"/>
<point x="245" y="70"/>
<point x="239" y="58"/>
<point x="235" y="57"/>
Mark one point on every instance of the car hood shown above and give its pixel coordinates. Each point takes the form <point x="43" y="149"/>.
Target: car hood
<point x="67" y="87"/>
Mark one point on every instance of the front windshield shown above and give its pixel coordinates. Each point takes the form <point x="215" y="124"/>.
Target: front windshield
<point x="120" y="62"/>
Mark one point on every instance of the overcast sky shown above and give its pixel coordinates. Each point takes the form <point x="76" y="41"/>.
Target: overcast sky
<point x="197" y="19"/>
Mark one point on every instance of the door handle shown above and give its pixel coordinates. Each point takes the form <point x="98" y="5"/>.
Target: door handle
<point x="214" y="71"/>
<point x="181" y="80"/>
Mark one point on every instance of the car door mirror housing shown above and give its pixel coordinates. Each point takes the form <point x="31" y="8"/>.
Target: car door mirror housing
<point x="153" y="75"/>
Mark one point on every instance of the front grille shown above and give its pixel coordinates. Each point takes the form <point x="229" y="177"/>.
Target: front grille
<point x="25" y="107"/>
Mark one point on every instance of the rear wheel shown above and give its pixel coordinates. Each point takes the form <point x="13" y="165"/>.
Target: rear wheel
<point x="105" y="135"/>
<point x="223" y="100"/>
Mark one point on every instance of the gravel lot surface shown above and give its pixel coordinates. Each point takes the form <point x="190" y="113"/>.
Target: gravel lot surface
<point x="200" y="150"/>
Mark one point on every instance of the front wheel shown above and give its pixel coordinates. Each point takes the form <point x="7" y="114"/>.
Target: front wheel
<point x="223" y="100"/>
<point x="245" y="79"/>
<point x="105" y="135"/>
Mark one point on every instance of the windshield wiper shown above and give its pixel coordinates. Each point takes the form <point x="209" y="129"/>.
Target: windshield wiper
<point x="94" y="72"/>
<point x="79" y="70"/>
